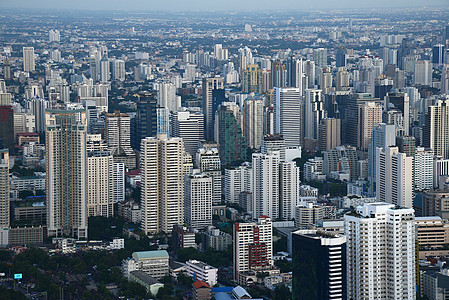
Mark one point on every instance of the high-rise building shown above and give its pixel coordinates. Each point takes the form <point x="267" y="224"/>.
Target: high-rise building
<point x="118" y="182"/>
<point x="423" y="72"/>
<point x="198" y="200"/>
<point x="188" y="125"/>
<point x="289" y="191"/>
<point x="266" y="184"/>
<point x="7" y="126"/>
<point x="4" y="196"/>
<point x="28" y="59"/>
<point x="144" y="124"/>
<point x="440" y="168"/>
<point x="105" y="74"/>
<point x="245" y="58"/>
<point x="253" y="245"/>
<point x="253" y="121"/>
<point x="278" y="74"/>
<point x="369" y="115"/>
<point x="326" y="80"/>
<point x="380" y="252"/>
<point x="296" y="76"/>
<point x="394" y="179"/>
<point x="162" y="184"/>
<point x="438" y="52"/>
<point x="210" y="84"/>
<point x="313" y="113"/>
<point x="406" y="144"/>
<point x="66" y="157"/>
<point x="329" y="134"/>
<point x="272" y="143"/>
<point x="423" y="169"/>
<point x="231" y="143"/>
<point x="342" y="79"/>
<point x="167" y="97"/>
<point x="236" y="181"/>
<point x="252" y="79"/>
<point x="118" y="70"/>
<point x="320" y="57"/>
<point x="436" y="130"/>
<point x="289" y="116"/>
<point x="401" y="102"/>
<point x="341" y="159"/>
<point x="117" y="133"/>
<point x="319" y="265"/>
<point x="54" y="35"/>
<point x="208" y="162"/>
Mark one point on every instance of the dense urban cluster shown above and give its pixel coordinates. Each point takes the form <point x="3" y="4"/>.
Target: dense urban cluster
<point x="224" y="155"/>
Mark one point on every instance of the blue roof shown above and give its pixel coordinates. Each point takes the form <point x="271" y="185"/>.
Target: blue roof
<point x="225" y="289"/>
<point x="150" y="254"/>
<point x="222" y="296"/>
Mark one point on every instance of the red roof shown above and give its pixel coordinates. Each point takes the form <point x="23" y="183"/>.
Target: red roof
<point x="27" y="134"/>
<point x="133" y="172"/>
<point x="200" y="284"/>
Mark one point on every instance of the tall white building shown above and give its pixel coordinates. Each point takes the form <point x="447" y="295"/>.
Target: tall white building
<point x="313" y="113"/>
<point x="162" y="187"/>
<point x="253" y="121"/>
<point x="436" y="130"/>
<point x="4" y="196"/>
<point x="100" y="198"/>
<point x="266" y="185"/>
<point x="28" y="59"/>
<point x="198" y="200"/>
<point x="289" y="190"/>
<point x="440" y="168"/>
<point x="105" y="73"/>
<point x="189" y="126"/>
<point x="167" y="97"/>
<point x="289" y="116"/>
<point x="66" y="157"/>
<point x="117" y="133"/>
<point x="423" y="169"/>
<point x="394" y="179"/>
<point x="380" y="252"/>
<point x="118" y="70"/>
<point x="423" y="72"/>
<point x="118" y="182"/>
<point x="250" y="238"/>
<point x="208" y="161"/>
<point x="236" y="181"/>
<point x="54" y="35"/>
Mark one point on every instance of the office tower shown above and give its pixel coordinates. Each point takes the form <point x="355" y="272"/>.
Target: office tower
<point x="144" y="124"/>
<point x="400" y="101"/>
<point x="440" y="170"/>
<point x="369" y="114"/>
<point x="66" y="157"/>
<point x="329" y="133"/>
<point x="253" y="121"/>
<point x="406" y="144"/>
<point x="394" y="181"/>
<point x="162" y="187"/>
<point x="438" y="52"/>
<point x="266" y="81"/>
<point x="436" y="129"/>
<point x="382" y="87"/>
<point x="208" y="162"/>
<point x="326" y="80"/>
<point x="296" y="76"/>
<point x="272" y="143"/>
<point x="289" y="116"/>
<point x="188" y="125"/>
<point x="117" y="133"/>
<point x="54" y="35"/>
<point x="236" y="181"/>
<point x="210" y="84"/>
<point x="6" y="69"/>
<point x="105" y="74"/>
<point x="289" y="183"/>
<point x="341" y="159"/>
<point x="383" y="136"/>
<point x="4" y="196"/>
<point x="423" y="72"/>
<point x="198" y="200"/>
<point x="220" y="53"/>
<point x="167" y="97"/>
<point x="266" y="184"/>
<point x="320" y="57"/>
<point x="444" y="89"/>
<point x="381" y="249"/>
<point x="342" y="79"/>
<point x="245" y="58"/>
<point x="118" y="182"/>
<point x="28" y="59"/>
<point x="100" y="197"/>
<point x="319" y="265"/>
<point x="163" y="121"/>
<point x="313" y="113"/>
<point x="24" y="122"/>
<point x="252" y="79"/>
<point x="6" y="126"/>
<point x="340" y="58"/>
<point x="309" y="70"/>
<point x="423" y="169"/>
<point x="94" y="67"/>
<point x="278" y="74"/>
<point x="118" y="70"/>
<point x="231" y="143"/>
<point x="252" y="245"/>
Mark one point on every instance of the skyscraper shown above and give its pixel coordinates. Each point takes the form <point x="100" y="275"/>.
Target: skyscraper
<point x="167" y="97"/>
<point x="329" y="133"/>
<point x="313" y="113"/>
<point x="210" y="84"/>
<point x="119" y="182"/>
<point x="162" y="187"/>
<point x="319" y="265"/>
<point x="423" y="169"/>
<point x="6" y="126"/>
<point x="117" y="133"/>
<point x="208" y="162"/>
<point x="394" y="179"/>
<point x="105" y="74"/>
<point x="4" y="196"/>
<point x="144" y="124"/>
<point x="253" y="121"/>
<point x="252" y="79"/>
<point x="198" y="200"/>
<point x="54" y="35"/>
<point x="289" y="116"/>
<point x="436" y="129"/>
<point x="381" y="252"/>
<point x="266" y="184"/>
<point x="278" y="74"/>
<point x="28" y="59"/>
<point x="423" y="72"/>
<point x="118" y="70"/>
<point x="320" y="57"/>
<point x="66" y="158"/>
<point x="289" y="183"/>
<point x="188" y="125"/>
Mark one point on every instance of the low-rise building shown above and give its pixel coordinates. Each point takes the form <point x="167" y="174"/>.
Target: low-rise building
<point x="217" y="239"/>
<point x="183" y="237"/>
<point x="435" y="285"/>
<point x="201" y="290"/>
<point x="433" y="232"/>
<point x="151" y="284"/>
<point x="154" y="263"/>
<point x="200" y="271"/>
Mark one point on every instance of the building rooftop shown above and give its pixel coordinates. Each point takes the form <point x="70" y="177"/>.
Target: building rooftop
<point x="150" y="254"/>
<point x="145" y="277"/>
<point x="200" y="284"/>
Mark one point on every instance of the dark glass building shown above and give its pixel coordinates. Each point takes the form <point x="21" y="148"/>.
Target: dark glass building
<point x="319" y="265"/>
<point x="145" y="123"/>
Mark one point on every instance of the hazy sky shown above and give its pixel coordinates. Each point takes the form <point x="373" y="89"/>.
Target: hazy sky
<point x="216" y="4"/>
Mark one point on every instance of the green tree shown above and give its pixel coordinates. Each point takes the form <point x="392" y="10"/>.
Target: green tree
<point x="282" y="293"/>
